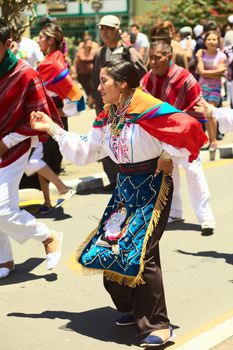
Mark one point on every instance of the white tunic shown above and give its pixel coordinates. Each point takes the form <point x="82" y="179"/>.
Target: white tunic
<point x="133" y="145"/>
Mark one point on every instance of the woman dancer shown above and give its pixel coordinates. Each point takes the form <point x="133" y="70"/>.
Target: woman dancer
<point x="141" y="134"/>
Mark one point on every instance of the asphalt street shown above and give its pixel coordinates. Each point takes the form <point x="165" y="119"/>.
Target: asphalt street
<point x="63" y="309"/>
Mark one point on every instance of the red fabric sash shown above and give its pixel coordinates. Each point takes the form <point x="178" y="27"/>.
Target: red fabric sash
<point x="56" y="78"/>
<point x="176" y="129"/>
<point x="179" y="130"/>
<point x="21" y="92"/>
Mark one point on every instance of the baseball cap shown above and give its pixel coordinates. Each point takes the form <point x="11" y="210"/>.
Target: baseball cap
<point x="230" y="19"/>
<point x="109" y="21"/>
<point x="198" y="30"/>
<point x="186" y="30"/>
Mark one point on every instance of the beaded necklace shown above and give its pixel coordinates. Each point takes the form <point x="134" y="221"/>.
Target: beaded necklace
<point x="117" y="117"/>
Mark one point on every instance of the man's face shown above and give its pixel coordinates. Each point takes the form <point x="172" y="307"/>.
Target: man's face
<point x="109" y="35"/>
<point x="134" y="30"/>
<point x="3" y="49"/>
<point x="159" y="61"/>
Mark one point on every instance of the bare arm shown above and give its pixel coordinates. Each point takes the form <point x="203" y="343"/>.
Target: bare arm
<point x="213" y="73"/>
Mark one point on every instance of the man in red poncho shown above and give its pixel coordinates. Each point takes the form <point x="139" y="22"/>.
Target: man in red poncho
<point x="21" y="91"/>
<point x="177" y="86"/>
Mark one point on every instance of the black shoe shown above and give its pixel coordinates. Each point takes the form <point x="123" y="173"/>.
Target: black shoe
<point x="125" y="320"/>
<point x="220" y="137"/>
<point x="207" y="231"/>
<point x="110" y="187"/>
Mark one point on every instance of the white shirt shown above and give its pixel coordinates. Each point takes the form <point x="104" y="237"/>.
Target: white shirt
<point x="29" y="51"/>
<point x="225" y="118"/>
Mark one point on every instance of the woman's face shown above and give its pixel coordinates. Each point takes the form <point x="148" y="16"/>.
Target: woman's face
<point x="43" y="42"/>
<point x="110" y="89"/>
<point x="211" y="41"/>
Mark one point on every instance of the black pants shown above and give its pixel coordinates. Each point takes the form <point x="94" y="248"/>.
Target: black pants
<point x="111" y="169"/>
<point x="147" y="301"/>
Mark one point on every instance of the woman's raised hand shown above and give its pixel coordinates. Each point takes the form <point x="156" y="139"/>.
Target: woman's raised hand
<point x="40" y="121"/>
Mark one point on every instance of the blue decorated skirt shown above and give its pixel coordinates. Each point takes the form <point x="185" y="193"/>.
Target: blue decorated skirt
<point x="118" y="245"/>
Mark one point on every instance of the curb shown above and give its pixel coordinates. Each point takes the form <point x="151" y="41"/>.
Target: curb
<point x="79" y="185"/>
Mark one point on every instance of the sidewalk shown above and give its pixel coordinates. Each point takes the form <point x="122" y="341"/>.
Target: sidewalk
<point x="225" y="345"/>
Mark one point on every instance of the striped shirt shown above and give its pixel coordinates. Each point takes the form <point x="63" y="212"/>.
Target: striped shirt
<point x="21" y="92"/>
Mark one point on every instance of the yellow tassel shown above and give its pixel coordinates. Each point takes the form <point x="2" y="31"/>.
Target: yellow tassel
<point x="133" y="281"/>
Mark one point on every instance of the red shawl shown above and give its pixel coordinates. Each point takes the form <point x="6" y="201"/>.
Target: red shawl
<point x="162" y="121"/>
<point x="21" y="92"/>
<point x="56" y="78"/>
<point x="178" y="87"/>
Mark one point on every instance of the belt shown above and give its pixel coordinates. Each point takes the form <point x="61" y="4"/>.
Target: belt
<point x="140" y="168"/>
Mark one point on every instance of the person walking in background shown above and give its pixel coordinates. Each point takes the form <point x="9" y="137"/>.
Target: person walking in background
<point x="55" y="76"/>
<point x="131" y="263"/>
<point x="109" y="27"/>
<point x="177" y="86"/>
<point x="84" y="63"/>
<point x="188" y="44"/>
<point x="228" y="37"/>
<point x="21" y="91"/>
<point x="211" y="64"/>
<point x="36" y="164"/>
<point x="141" y="43"/>
<point x="28" y="50"/>
<point x="165" y="30"/>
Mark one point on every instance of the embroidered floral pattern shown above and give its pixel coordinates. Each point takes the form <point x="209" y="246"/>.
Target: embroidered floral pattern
<point x="120" y="145"/>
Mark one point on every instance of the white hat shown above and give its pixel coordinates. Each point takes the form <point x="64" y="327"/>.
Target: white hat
<point x="109" y="21"/>
<point x="186" y="30"/>
<point x="198" y="30"/>
<point x="230" y="19"/>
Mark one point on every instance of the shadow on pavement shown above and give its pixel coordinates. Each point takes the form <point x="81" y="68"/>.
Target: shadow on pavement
<point x="183" y="226"/>
<point x="96" y="323"/>
<point x="99" y="190"/>
<point x="22" y="273"/>
<point x="56" y="213"/>
<point x="210" y="254"/>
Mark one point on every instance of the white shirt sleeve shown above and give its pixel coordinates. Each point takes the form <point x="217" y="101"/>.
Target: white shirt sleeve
<point x="81" y="149"/>
<point x="175" y="152"/>
<point x="224" y="117"/>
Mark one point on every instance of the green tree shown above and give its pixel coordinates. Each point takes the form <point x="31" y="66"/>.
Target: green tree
<point x="198" y="11"/>
<point x="189" y="12"/>
<point x="12" y="12"/>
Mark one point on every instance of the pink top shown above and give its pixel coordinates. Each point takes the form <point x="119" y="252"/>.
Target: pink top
<point x="210" y="63"/>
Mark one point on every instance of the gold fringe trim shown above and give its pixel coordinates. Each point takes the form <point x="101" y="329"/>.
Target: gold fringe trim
<point x="133" y="281"/>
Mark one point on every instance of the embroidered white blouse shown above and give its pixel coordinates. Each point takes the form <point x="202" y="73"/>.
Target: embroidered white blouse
<point x="133" y="145"/>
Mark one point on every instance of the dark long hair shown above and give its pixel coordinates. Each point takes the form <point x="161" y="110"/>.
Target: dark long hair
<point x="122" y="70"/>
<point x="5" y="31"/>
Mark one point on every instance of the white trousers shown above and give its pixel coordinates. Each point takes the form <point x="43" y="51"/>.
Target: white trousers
<point x="15" y="223"/>
<point x="198" y="190"/>
<point x="35" y="162"/>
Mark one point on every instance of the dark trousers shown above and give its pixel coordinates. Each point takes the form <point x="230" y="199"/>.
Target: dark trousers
<point x="147" y="301"/>
<point x="111" y="169"/>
